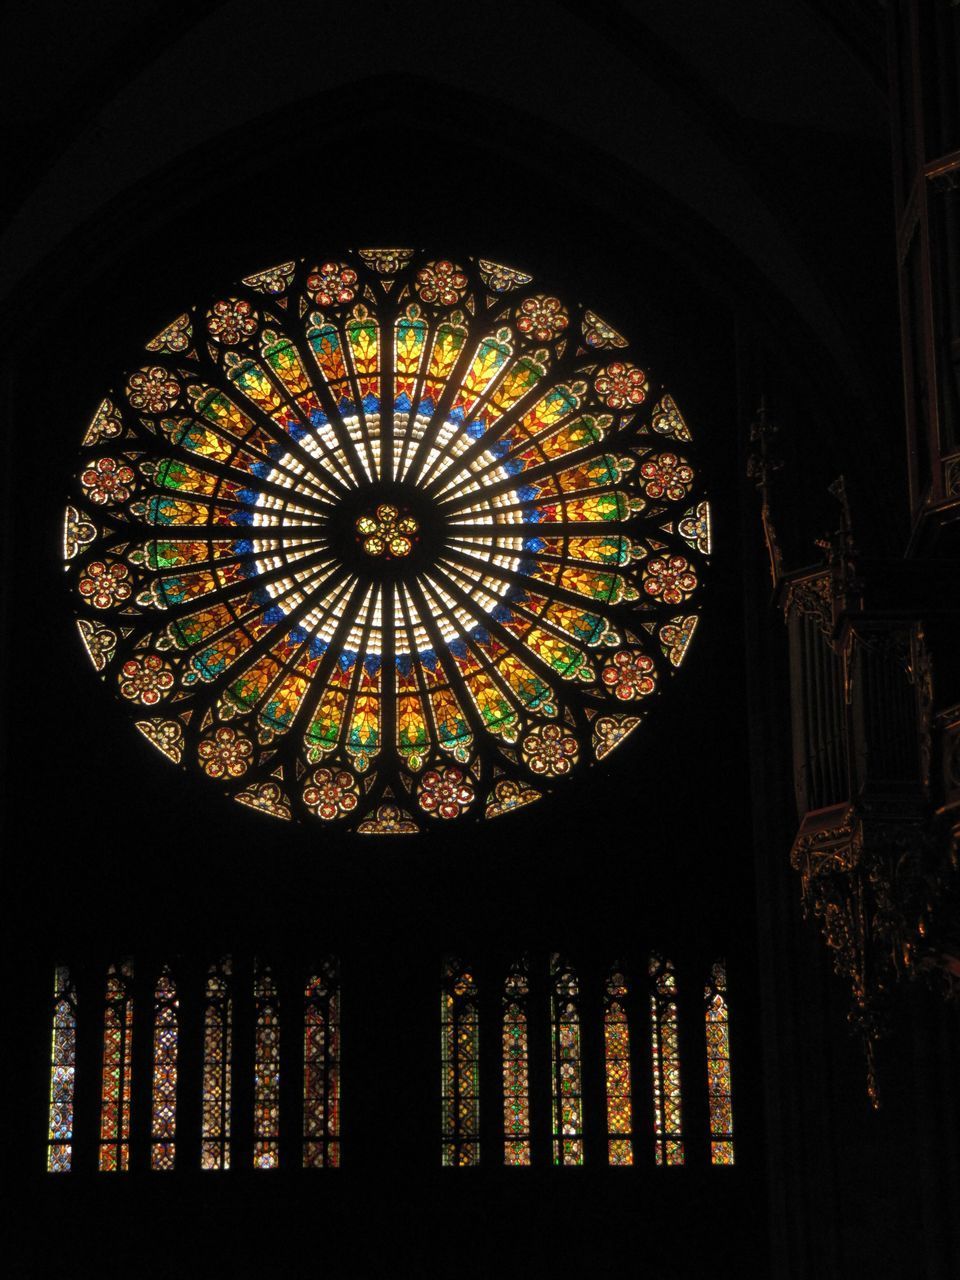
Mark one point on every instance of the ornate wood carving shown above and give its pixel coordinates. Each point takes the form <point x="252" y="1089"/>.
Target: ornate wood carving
<point x="878" y="844"/>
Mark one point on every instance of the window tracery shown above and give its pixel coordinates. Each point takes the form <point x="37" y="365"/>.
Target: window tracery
<point x="616" y="1041"/>
<point x="321" y="1067"/>
<point x="63" y="1065"/>
<point x="116" y="1083"/>
<point x="610" y="1000"/>
<point x="166" y="1033"/>
<point x="665" y="1054"/>
<point x="217" y="1067"/>
<point x="386" y="541"/>
<point x="718" y="1066"/>
<point x="460" y="1065"/>
<point x="266" y="1069"/>
<point x="566" y="1078"/>
<point x="516" y="1065"/>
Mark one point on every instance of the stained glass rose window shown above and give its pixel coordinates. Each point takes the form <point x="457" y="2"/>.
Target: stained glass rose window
<point x="386" y="540"/>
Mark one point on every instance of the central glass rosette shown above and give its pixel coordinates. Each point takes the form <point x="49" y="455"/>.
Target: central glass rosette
<point x="388" y="531"/>
<point x="382" y="539"/>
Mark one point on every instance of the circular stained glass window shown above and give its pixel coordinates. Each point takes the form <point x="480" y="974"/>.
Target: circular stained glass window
<point x="386" y="540"/>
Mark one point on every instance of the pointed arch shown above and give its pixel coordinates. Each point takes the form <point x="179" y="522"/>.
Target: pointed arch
<point x="516" y="1064"/>
<point x="665" y="1054"/>
<point x="217" y="1066"/>
<point x="116" y="1081"/>
<point x="166" y="1034"/>
<point x="321" y="1067"/>
<point x="716" y="1014"/>
<point x="566" y="1072"/>
<point x="63" y="1063"/>
<point x="266" y="1070"/>
<point x="460" y="1065"/>
<point x="616" y="1043"/>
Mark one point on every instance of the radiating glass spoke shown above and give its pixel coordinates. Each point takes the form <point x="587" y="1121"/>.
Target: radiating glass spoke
<point x="385" y="540"/>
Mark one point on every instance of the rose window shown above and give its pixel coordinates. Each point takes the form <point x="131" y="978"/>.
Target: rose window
<point x="386" y="541"/>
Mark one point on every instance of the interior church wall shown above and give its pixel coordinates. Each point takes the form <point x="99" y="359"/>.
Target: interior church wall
<point x="718" y="185"/>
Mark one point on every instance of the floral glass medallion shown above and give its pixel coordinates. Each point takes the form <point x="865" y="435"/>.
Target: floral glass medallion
<point x="387" y="532"/>
<point x="385" y="540"/>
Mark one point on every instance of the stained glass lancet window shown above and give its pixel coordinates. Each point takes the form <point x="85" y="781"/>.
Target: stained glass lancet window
<point x="116" y="1083"/>
<point x="718" y="1066"/>
<point x="63" y="1064"/>
<point x="266" y="1070"/>
<point x="321" y="1067"/>
<point x="566" y="1078"/>
<point x="516" y="1065"/>
<point x="665" y="1055"/>
<point x="166" y="1031"/>
<point x="386" y="540"/>
<point x="616" y="1041"/>
<point x="460" y="1065"/>
<point x="217" y="1066"/>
